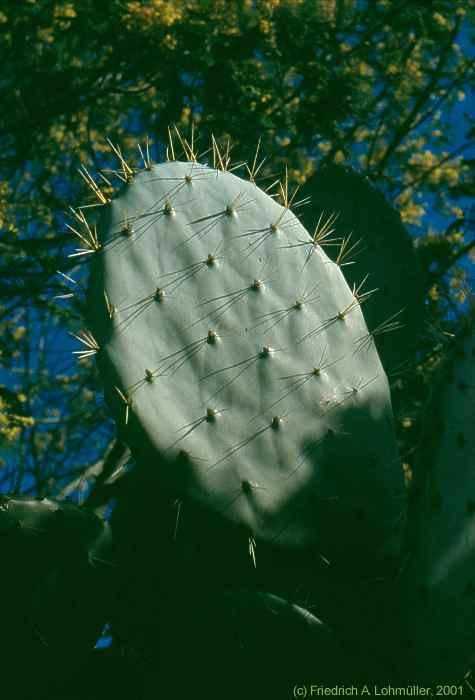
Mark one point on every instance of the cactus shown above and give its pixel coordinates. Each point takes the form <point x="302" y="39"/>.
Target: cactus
<point x="56" y="565"/>
<point x="437" y="584"/>
<point x="258" y="645"/>
<point x="237" y="362"/>
<point x="382" y="247"/>
<point x="236" y="359"/>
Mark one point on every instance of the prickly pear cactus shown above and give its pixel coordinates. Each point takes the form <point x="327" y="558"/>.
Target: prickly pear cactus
<point x="236" y="359"/>
<point x="380" y="246"/>
<point x="270" y="640"/>
<point x="56" y="577"/>
<point x="437" y="585"/>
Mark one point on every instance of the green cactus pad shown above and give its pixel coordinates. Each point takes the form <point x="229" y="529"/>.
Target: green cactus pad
<point x="383" y="248"/>
<point x="270" y="640"/>
<point x="237" y="362"/>
<point x="437" y="586"/>
<point x="56" y="577"/>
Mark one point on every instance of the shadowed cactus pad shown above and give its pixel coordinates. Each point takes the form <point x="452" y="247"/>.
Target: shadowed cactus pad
<point x="57" y="561"/>
<point x="259" y="640"/>
<point x="381" y="247"/>
<point x="236" y="360"/>
<point x="437" y="586"/>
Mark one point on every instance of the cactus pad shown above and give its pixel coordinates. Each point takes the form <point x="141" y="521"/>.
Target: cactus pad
<point x="437" y="587"/>
<point x="381" y="247"/>
<point x="237" y="362"/>
<point x="56" y="567"/>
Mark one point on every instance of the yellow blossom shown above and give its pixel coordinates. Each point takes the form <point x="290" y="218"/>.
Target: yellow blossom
<point x="407" y="469"/>
<point x="169" y="41"/>
<point x="339" y="157"/>
<point x="441" y="20"/>
<point x="88" y="395"/>
<point x="264" y="26"/>
<point x="64" y="11"/>
<point x="411" y="213"/>
<point x="157" y="12"/>
<point x="361" y="134"/>
<point x="452" y="175"/>
<point x="455" y="237"/>
<point x="364" y="69"/>
<point x="11" y="424"/>
<point x="46" y="34"/>
<point x="19" y="333"/>
<point x="363" y="160"/>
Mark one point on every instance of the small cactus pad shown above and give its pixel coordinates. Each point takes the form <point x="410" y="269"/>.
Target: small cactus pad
<point x="437" y="585"/>
<point x="56" y="576"/>
<point x="382" y="247"/>
<point x="236" y="359"/>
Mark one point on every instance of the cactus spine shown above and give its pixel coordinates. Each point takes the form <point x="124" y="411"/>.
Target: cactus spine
<point x="381" y="247"/>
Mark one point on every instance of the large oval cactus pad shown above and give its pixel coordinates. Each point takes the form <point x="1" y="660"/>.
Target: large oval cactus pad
<point x="236" y="358"/>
